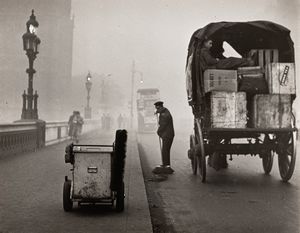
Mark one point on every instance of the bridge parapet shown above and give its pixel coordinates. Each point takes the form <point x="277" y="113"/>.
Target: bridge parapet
<point x="57" y="131"/>
<point x="18" y="137"/>
<point x="28" y="136"/>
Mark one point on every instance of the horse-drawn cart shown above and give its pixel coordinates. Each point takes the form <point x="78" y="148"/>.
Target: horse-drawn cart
<point x="268" y="121"/>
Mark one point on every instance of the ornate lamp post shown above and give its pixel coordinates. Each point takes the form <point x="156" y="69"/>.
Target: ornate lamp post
<point x="88" y="85"/>
<point x="31" y="46"/>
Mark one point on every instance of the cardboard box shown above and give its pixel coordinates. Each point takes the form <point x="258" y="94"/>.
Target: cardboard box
<point x="227" y="110"/>
<point x="271" y="111"/>
<point x="281" y="78"/>
<point x="220" y="80"/>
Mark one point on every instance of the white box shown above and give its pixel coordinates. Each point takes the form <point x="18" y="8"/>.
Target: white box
<point x="281" y="78"/>
<point x="220" y="80"/>
<point x="271" y="111"/>
<point x="228" y="110"/>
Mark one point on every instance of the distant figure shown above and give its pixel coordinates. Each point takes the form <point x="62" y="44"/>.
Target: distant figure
<point x="71" y="125"/>
<point x="166" y="132"/>
<point x="107" y="122"/>
<point x="77" y="122"/>
<point x="120" y="121"/>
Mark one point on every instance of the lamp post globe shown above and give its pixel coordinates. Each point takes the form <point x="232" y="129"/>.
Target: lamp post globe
<point x="88" y="85"/>
<point x="31" y="44"/>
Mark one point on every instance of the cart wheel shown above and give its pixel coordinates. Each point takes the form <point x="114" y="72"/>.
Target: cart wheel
<point x="201" y="154"/>
<point x="192" y="154"/>
<point x="67" y="202"/>
<point x="287" y="156"/>
<point x="267" y="157"/>
<point x="202" y="159"/>
<point x="120" y="199"/>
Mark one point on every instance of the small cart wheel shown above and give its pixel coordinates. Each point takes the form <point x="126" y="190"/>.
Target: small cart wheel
<point x="201" y="153"/>
<point x="120" y="199"/>
<point x="267" y="157"/>
<point x="287" y="156"/>
<point x="192" y="154"/>
<point x="67" y="202"/>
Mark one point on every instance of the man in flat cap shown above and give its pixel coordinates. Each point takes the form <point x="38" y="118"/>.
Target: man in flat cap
<point x="166" y="132"/>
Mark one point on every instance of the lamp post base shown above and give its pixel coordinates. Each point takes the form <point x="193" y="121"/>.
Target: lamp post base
<point x="87" y="112"/>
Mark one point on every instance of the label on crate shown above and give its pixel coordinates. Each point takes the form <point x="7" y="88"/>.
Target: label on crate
<point x="283" y="80"/>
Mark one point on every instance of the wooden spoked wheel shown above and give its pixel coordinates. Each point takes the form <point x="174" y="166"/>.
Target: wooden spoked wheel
<point x="192" y="154"/>
<point x="287" y="156"/>
<point x="267" y="157"/>
<point x="201" y="152"/>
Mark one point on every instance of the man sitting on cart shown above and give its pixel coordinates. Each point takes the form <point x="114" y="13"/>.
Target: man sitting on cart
<point x="207" y="61"/>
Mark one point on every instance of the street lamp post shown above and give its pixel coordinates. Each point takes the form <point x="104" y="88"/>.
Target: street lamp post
<point x="88" y="85"/>
<point x="31" y="46"/>
<point x="103" y="89"/>
<point x="133" y="72"/>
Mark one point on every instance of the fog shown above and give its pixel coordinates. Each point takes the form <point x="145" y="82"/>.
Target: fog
<point x="109" y="35"/>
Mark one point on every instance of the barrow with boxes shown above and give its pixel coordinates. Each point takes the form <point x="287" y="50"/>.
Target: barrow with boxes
<point x="248" y="110"/>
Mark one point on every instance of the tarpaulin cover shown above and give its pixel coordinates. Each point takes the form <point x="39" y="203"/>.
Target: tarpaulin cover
<point x="242" y="36"/>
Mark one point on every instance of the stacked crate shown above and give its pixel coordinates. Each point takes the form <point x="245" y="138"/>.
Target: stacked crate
<point x="274" y="110"/>
<point x="226" y="106"/>
<point x="265" y="56"/>
<point x="235" y="98"/>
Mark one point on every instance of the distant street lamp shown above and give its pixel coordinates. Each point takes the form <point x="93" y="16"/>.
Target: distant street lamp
<point x="88" y="85"/>
<point x="103" y="88"/>
<point x="133" y="72"/>
<point x="31" y="45"/>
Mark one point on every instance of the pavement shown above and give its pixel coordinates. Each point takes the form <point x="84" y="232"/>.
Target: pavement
<point x="31" y="193"/>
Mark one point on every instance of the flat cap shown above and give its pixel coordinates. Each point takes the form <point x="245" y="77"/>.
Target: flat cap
<point x="159" y="103"/>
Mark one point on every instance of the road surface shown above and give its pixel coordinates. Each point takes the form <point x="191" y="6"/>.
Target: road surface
<point x="31" y="195"/>
<point x="238" y="199"/>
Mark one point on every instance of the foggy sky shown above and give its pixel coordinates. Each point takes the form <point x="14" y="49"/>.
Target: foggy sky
<point x="110" y="34"/>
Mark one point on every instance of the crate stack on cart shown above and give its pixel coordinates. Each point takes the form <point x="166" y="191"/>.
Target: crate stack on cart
<point x="251" y="97"/>
<point x="246" y="111"/>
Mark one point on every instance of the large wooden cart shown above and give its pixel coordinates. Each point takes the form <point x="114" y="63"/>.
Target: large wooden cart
<point x="264" y="142"/>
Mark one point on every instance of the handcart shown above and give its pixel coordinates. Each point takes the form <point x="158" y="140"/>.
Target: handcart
<point x="225" y="141"/>
<point x="97" y="174"/>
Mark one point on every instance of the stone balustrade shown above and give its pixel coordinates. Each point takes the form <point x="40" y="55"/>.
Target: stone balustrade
<point x="18" y="137"/>
<point x="28" y="136"/>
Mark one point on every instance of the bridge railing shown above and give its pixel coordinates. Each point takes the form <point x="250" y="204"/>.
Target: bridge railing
<point x="57" y="131"/>
<point x="18" y="137"/>
<point x="29" y="136"/>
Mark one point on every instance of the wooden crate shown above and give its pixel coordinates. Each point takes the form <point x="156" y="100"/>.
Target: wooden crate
<point x="249" y="70"/>
<point x="281" y="78"/>
<point x="227" y="110"/>
<point x="220" y="80"/>
<point x="265" y="56"/>
<point x="271" y="111"/>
